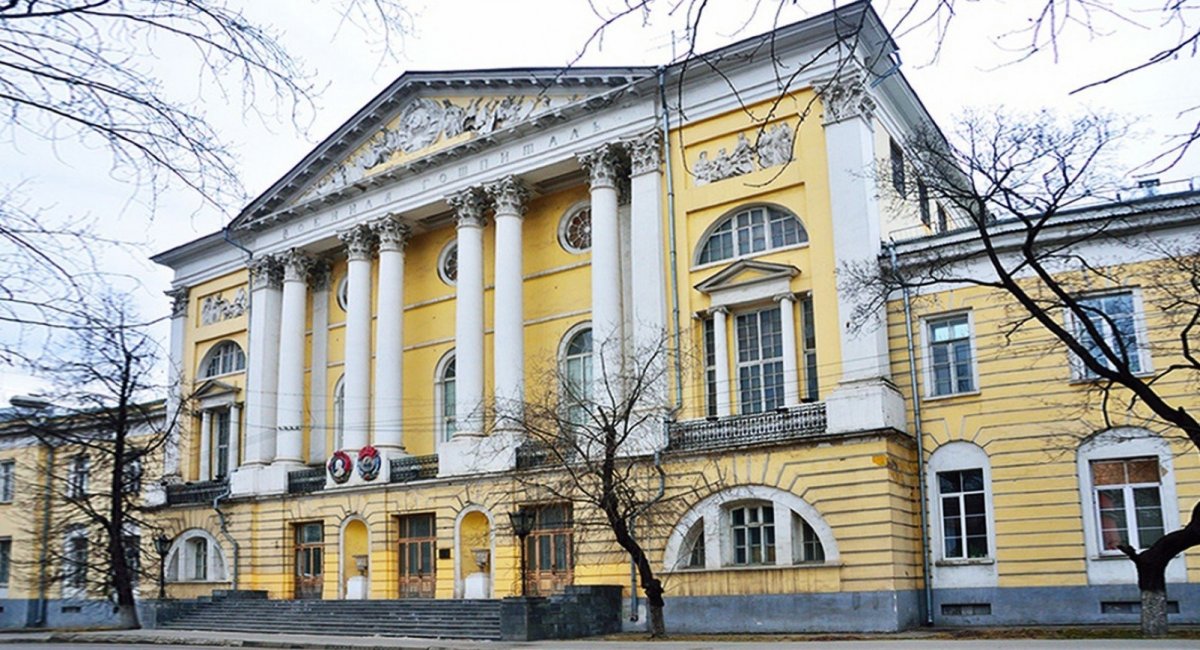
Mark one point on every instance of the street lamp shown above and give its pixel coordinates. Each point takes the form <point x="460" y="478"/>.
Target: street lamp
<point x="522" y="524"/>
<point x="162" y="544"/>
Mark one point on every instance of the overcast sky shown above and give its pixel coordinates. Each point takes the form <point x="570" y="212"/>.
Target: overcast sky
<point x="975" y="69"/>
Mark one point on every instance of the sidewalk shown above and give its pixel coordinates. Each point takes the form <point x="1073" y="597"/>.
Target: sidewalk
<point x="916" y="640"/>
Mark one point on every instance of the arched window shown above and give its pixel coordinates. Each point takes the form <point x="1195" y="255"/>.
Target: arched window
<point x="577" y="374"/>
<point x="448" y="263"/>
<point x="749" y="526"/>
<point x="446" y="397"/>
<point x="753" y="230"/>
<point x="575" y="229"/>
<point x="224" y="358"/>
<point x="195" y="556"/>
<point x="339" y="413"/>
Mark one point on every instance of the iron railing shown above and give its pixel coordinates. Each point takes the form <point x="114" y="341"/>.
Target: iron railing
<point x="307" y="480"/>
<point x="196" y="492"/>
<point x="797" y="422"/>
<point x="413" y="468"/>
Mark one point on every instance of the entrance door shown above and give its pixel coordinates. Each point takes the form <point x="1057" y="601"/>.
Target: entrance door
<point x="548" y="553"/>
<point x="310" y="559"/>
<point x="418" y="544"/>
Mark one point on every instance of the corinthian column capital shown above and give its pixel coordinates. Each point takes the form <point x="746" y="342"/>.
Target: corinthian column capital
<point x="296" y="265"/>
<point x="602" y="164"/>
<point x="393" y="234"/>
<point x="359" y="242"/>
<point x="468" y="205"/>
<point x="265" y="273"/>
<point x="645" y="152"/>
<point x="846" y="96"/>
<point x="509" y="196"/>
<point x="179" y="301"/>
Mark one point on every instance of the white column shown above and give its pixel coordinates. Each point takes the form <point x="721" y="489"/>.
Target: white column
<point x="468" y="315"/>
<point x="607" y="318"/>
<point x="721" y="359"/>
<point x="175" y="418"/>
<point x="649" y="292"/>
<point x="205" y="445"/>
<point x="289" y="414"/>
<point x="319" y="420"/>
<point x="262" y="362"/>
<point x="389" y="335"/>
<point x="360" y="242"/>
<point x="235" y="435"/>
<point x="509" y="197"/>
<point x="791" y="376"/>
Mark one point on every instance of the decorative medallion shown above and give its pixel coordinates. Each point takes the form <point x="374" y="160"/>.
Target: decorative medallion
<point x="340" y="465"/>
<point x="368" y="463"/>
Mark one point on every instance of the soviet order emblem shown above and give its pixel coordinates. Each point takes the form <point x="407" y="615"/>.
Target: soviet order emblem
<point x="368" y="463"/>
<point x="340" y="466"/>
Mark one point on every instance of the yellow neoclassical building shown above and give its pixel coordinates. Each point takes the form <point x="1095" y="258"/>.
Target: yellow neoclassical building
<point x="341" y="347"/>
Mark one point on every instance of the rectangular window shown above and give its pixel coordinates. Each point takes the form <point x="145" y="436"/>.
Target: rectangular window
<point x="760" y="361"/>
<point x="951" y="367"/>
<point x="75" y="567"/>
<point x="5" y="560"/>
<point x="77" y="477"/>
<point x="131" y="474"/>
<point x="221" y="424"/>
<point x="943" y="221"/>
<point x="710" y="368"/>
<point x="1114" y="318"/>
<point x="7" y="476"/>
<point x="809" y="349"/>
<point x="1128" y="502"/>
<point x="753" y="529"/>
<point x="964" y="514"/>
<point x="133" y="556"/>
<point x="897" y="155"/>
<point x="923" y="201"/>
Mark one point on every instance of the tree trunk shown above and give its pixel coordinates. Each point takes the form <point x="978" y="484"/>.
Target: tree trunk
<point x="1152" y="572"/>
<point x="654" y="606"/>
<point x="127" y="617"/>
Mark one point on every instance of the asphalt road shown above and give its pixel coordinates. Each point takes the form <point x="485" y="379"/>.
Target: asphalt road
<point x="1026" y="644"/>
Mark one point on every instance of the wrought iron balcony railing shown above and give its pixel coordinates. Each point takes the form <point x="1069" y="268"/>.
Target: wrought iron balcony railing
<point x="196" y="492"/>
<point x="413" y="468"/>
<point x="307" y="480"/>
<point x="797" y="422"/>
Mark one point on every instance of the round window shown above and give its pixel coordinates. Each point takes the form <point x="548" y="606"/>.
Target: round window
<point x="448" y="263"/>
<point x="575" y="229"/>
<point x="343" y="293"/>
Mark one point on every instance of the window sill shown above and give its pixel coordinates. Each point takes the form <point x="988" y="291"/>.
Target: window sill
<point x="738" y="258"/>
<point x="222" y="375"/>
<point x="1109" y="557"/>
<point x="757" y="567"/>
<point x="938" y="398"/>
<point x="978" y="561"/>
<point x="1081" y="380"/>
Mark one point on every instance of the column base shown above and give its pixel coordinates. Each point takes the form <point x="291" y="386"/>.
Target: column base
<point x="243" y="481"/>
<point x="865" y="405"/>
<point x="470" y="454"/>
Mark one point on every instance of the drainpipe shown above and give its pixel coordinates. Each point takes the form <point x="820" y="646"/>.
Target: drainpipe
<point x="674" y="255"/>
<point x="43" y="605"/>
<point x="216" y="506"/>
<point x="233" y="242"/>
<point x="927" y="580"/>
<point x="662" y="489"/>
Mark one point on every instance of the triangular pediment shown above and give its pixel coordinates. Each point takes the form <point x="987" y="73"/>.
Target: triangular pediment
<point x="746" y="272"/>
<point x="215" y="388"/>
<point x="426" y="113"/>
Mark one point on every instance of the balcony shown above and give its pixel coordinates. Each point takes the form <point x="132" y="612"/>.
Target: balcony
<point x="795" y="423"/>
<point x="307" y="480"/>
<point x="197" y="492"/>
<point x="413" y="468"/>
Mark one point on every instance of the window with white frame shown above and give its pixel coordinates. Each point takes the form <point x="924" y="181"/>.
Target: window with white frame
<point x="343" y="293"/>
<point x="224" y="358"/>
<point x="1114" y="316"/>
<point x="951" y="362"/>
<point x="77" y="476"/>
<point x="75" y="562"/>
<point x="750" y="526"/>
<point x="5" y="561"/>
<point x="962" y="524"/>
<point x="221" y="439"/>
<point x="1128" y="502"/>
<point x="577" y="375"/>
<point x="750" y="231"/>
<point x="339" y="413"/>
<point x="7" y="479"/>
<point x="131" y="474"/>
<point x="448" y="263"/>
<point x="808" y="347"/>
<point x="195" y="556"/>
<point x="710" y="368"/>
<point x="575" y="229"/>
<point x="964" y="514"/>
<point x="445" y="388"/>
<point x="760" y="361"/>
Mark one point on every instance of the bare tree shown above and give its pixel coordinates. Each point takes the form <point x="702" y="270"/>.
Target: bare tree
<point x="595" y="441"/>
<point x="1031" y="199"/>
<point x="106" y="429"/>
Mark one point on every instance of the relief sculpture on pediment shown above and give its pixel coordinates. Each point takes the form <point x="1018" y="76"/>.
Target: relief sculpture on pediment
<point x="772" y="147"/>
<point x="216" y="308"/>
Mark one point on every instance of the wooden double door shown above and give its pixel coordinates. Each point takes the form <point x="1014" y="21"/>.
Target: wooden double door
<point x="310" y="560"/>
<point x="418" y="556"/>
<point x="549" y="552"/>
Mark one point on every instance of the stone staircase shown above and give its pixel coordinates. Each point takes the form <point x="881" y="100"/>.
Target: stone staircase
<point x="414" y="617"/>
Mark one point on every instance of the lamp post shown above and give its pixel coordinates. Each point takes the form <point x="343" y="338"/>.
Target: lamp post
<point x="522" y="524"/>
<point x="162" y="544"/>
